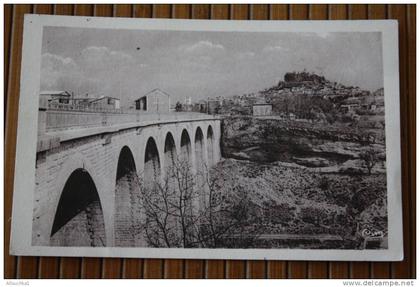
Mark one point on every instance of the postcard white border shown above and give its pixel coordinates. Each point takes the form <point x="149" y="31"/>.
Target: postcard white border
<point x="24" y="181"/>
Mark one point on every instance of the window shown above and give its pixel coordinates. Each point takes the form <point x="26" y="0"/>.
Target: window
<point x="63" y="101"/>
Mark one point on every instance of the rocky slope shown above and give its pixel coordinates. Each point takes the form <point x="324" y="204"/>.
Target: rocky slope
<point x="269" y="140"/>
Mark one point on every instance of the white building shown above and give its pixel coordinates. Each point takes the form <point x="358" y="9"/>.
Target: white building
<point x="154" y="101"/>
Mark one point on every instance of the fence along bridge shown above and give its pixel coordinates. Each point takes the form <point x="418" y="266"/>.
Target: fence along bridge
<point x="84" y="195"/>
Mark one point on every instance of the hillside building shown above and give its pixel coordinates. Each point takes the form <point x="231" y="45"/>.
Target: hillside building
<point x="154" y="101"/>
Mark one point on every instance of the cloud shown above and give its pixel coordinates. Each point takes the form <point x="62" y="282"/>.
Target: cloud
<point x="203" y="47"/>
<point x="95" y="58"/>
<point x="54" y="68"/>
<point x="52" y="60"/>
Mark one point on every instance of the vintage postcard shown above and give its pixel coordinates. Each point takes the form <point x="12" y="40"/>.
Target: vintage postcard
<point x="208" y="139"/>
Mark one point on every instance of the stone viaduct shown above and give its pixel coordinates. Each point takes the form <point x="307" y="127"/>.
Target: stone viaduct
<point x="83" y="155"/>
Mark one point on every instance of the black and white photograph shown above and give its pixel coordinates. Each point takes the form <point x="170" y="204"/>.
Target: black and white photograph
<point x="163" y="136"/>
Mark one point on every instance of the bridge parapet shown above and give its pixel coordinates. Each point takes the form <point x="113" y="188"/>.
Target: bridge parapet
<point x="52" y="120"/>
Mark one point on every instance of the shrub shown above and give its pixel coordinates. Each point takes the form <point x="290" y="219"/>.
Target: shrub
<point x="324" y="183"/>
<point x="313" y="215"/>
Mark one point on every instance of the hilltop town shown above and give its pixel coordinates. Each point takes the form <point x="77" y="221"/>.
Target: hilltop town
<point x="305" y="96"/>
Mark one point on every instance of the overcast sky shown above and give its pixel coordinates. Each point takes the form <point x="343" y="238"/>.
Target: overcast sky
<point x="127" y="64"/>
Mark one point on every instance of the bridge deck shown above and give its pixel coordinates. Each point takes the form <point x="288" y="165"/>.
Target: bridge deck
<point x="57" y="126"/>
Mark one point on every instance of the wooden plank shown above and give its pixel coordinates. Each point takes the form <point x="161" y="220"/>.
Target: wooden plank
<point x="174" y="269"/>
<point x="220" y="11"/>
<point x="181" y="11"/>
<point x="70" y="268"/>
<point x="360" y="270"/>
<point x="318" y="270"/>
<point x="201" y="11"/>
<point x="260" y="12"/>
<point x="235" y="269"/>
<point x="339" y="270"/>
<point x="279" y="12"/>
<point x="215" y="269"/>
<point x="91" y="268"/>
<point x="358" y="11"/>
<point x="318" y="12"/>
<point x="411" y="54"/>
<point x="63" y="9"/>
<point x="49" y="268"/>
<point x="277" y="269"/>
<point x="256" y="269"/>
<point x="103" y="10"/>
<point x="8" y="21"/>
<point x="403" y="269"/>
<point x="27" y="267"/>
<point x="153" y="269"/>
<point x="162" y="11"/>
<point x="194" y="268"/>
<point x="239" y="12"/>
<point x="380" y="270"/>
<point x="337" y="12"/>
<point x="132" y="268"/>
<point x="143" y="10"/>
<point x="298" y="12"/>
<point x="123" y="10"/>
<point x="13" y="265"/>
<point x="83" y="10"/>
<point x="112" y="268"/>
<point x="297" y="269"/>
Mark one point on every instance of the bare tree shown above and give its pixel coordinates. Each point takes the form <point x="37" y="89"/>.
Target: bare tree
<point x="182" y="211"/>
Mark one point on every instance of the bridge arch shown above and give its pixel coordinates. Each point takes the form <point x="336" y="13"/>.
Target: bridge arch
<point x="169" y="151"/>
<point x="79" y="219"/>
<point x="127" y="195"/>
<point x="210" y="146"/>
<point x="199" y="149"/>
<point x="185" y="152"/>
<point x="152" y="166"/>
<point x="42" y="230"/>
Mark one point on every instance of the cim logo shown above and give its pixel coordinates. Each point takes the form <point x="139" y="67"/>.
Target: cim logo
<point x="372" y="233"/>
